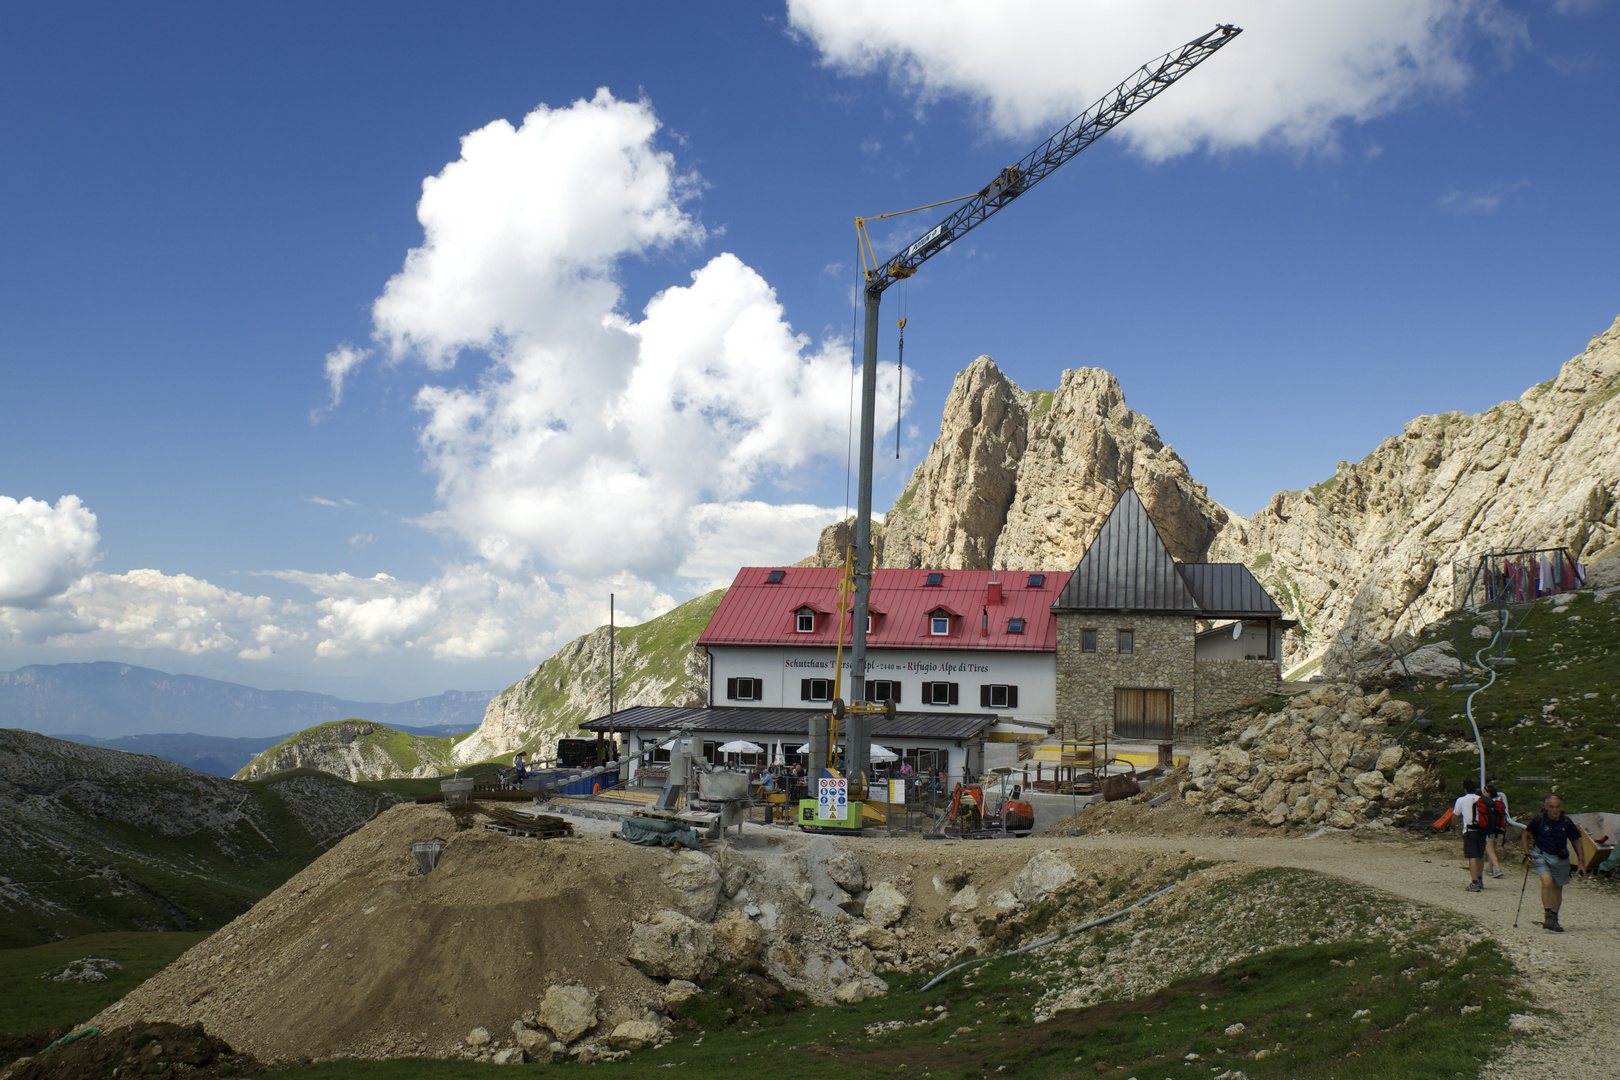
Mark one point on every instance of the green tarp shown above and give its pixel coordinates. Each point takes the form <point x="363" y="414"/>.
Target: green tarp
<point x="652" y="832"/>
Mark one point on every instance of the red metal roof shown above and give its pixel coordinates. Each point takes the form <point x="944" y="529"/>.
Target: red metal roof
<point x="757" y="613"/>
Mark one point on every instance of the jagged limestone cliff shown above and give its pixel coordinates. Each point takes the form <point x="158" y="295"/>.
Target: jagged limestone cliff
<point x="1368" y="554"/>
<point x="657" y="663"/>
<point x="1022" y="480"/>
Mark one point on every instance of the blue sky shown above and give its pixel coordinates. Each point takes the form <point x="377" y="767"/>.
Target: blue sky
<point x="1356" y="213"/>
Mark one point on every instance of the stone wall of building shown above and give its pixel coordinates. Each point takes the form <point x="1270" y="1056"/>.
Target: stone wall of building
<point x="1161" y="659"/>
<point x="1222" y="685"/>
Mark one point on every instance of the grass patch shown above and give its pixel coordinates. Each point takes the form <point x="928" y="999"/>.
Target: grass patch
<point x="1563" y="659"/>
<point x="1040" y="403"/>
<point x="28" y="1003"/>
<point x="906" y="496"/>
<point x="1307" y="1000"/>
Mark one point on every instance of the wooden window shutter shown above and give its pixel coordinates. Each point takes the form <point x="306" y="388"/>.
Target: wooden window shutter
<point x="804" y="689"/>
<point x="1012" y="697"/>
<point x="731" y="689"/>
<point x="954" y="699"/>
<point x="984" y="695"/>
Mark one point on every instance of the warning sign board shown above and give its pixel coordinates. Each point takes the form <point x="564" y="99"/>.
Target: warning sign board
<point x="833" y="799"/>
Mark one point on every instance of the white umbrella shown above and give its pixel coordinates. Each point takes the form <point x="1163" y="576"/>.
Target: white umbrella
<point x="883" y="753"/>
<point x="739" y="746"/>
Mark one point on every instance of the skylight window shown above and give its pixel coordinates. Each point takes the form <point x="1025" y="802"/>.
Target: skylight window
<point x="774" y="577"/>
<point x="1036" y="581"/>
<point x="1015" y="626"/>
<point x="935" y="579"/>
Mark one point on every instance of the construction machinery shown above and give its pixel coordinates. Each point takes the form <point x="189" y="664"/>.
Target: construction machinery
<point x="1152" y="79"/>
<point x="974" y="816"/>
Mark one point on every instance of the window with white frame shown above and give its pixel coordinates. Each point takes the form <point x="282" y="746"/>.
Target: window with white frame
<point x="745" y="689"/>
<point x="815" y="689"/>
<point x="941" y="693"/>
<point x="883" y="690"/>
<point x="939" y="623"/>
<point x="807" y="620"/>
<point x="996" y="696"/>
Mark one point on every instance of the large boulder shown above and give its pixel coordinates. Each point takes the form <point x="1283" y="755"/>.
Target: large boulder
<point x="1390" y="759"/>
<point x="671" y="945"/>
<point x="738" y="937"/>
<point x="1370" y="785"/>
<point x="536" y="1045"/>
<point x="696" y="882"/>
<point x="844" y="867"/>
<point x="568" y="1011"/>
<point x="635" y="1035"/>
<point x="1409" y="780"/>
<point x="885" y="905"/>
<point x="1042" y="876"/>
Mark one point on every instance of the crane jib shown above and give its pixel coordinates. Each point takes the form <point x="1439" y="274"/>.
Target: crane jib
<point x="1146" y="83"/>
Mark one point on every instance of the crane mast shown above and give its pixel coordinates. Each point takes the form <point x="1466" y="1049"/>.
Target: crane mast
<point x="1146" y="83"/>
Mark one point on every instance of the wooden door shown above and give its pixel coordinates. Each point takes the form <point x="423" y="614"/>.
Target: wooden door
<point x="1144" y="714"/>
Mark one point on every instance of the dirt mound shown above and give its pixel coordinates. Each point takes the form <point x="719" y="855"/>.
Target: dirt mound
<point x="149" y="1050"/>
<point x="361" y="956"/>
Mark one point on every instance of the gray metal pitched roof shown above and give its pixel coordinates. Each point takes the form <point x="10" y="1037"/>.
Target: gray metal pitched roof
<point x="730" y="720"/>
<point x="1227" y="590"/>
<point x="1127" y="567"/>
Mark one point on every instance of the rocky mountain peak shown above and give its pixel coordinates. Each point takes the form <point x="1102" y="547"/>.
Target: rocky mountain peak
<point x="1022" y="480"/>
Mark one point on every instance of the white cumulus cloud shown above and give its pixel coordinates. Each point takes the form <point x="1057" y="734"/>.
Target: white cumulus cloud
<point x="44" y="550"/>
<point x="592" y="435"/>
<point x="1295" y="73"/>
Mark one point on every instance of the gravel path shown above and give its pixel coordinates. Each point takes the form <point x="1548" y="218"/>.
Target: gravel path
<point x="1576" y="973"/>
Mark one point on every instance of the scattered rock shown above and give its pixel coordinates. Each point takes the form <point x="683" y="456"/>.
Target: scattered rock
<point x="673" y="946"/>
<point x="886" y="905"/>
<point x="634" y="1035"/>
<point x="844" y="867"/>
<point x="737" y="936"/>
<point x="478" y="1037"/>
<point x="535" y="1046"/>
<point x="1043" y="875"/>
<point x="679" y="992"/>
<point x="568" y="1011"/>
<point x="697" y="884"/>
<point x="966" y="899"/>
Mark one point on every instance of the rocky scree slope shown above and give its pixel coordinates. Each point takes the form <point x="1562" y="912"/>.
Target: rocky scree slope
<point x="656" y="663"/>
<point x="94" y="840"/>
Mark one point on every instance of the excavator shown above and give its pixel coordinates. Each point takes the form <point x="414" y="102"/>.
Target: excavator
<point x="977" y="819"/>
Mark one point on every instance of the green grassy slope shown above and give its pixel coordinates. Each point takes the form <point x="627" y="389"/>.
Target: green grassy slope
<point x="571" y="687"/>
<point x="29" y="1002"/>
<point x="95" y="840"/>
<point x="1554" y="713"/>
<point x="355" y="748"/>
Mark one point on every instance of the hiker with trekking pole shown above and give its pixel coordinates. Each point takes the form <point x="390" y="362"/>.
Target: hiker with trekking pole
<point x="1547" y="837"/>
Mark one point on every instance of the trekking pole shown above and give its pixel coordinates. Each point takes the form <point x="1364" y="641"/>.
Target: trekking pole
<point x="1522" y="888"/>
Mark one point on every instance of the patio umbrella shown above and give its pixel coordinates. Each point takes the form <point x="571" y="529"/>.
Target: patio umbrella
<point x="883" y="753"/>
<point x="740" y="746"/>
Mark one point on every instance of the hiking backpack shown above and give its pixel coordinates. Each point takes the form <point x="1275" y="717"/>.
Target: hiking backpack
<point x="1489" y="815"/>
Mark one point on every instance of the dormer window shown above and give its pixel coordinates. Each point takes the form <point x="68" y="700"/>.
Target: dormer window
<point x="774" y="577"/>
<point x="935" y="579"/>
<point x="939" y="623"/>
<point x="1036" y="581"/>
<point x="806" y="620"/>
<point x="1015" y="626"/>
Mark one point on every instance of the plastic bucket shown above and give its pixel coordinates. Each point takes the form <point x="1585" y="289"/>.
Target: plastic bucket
<point x="456" y="792"/>
<point x="426" y="854"/>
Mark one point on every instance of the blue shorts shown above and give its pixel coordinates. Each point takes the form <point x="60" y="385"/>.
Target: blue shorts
<point x="1554" y="867"/>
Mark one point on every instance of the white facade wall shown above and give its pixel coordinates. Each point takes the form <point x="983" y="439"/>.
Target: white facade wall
<point x="1034" y="673"/>
<point x="1222" y="646"/>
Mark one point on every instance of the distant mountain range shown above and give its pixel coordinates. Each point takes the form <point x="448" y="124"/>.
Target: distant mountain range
<point x="103" y="701"/>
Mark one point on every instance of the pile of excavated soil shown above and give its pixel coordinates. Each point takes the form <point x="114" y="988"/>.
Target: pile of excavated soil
<point x="1172" y="818"/>
<point x="158" y="1051"/>
<point x="360" y="956"/>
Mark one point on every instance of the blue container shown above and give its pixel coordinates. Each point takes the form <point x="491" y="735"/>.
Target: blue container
<point x="568" y="781"/>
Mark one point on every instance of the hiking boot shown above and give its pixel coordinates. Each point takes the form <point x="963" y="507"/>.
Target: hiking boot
<point x="1552" y="924"/>
<point x="1495" y="873"/>
<point x="1476" y="886"/>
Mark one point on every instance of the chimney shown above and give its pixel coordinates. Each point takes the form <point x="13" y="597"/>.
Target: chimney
<point x="992" y="593"/>
<point x="984" y="622"/>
